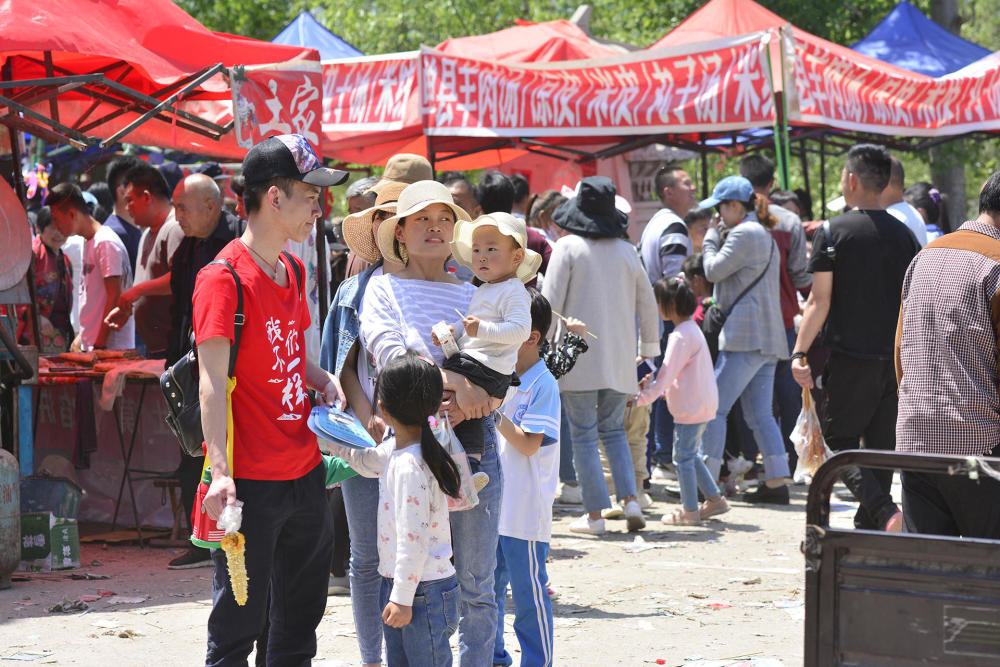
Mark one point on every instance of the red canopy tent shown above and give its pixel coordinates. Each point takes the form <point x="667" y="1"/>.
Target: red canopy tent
<point x="371" y="105"/>
<point x="836" y="87"/>
<point x="94" y="68"/>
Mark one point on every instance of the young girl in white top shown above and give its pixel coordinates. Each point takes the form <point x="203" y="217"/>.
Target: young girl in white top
<point x="419" y="589"/>
<point x="686" y="380"/>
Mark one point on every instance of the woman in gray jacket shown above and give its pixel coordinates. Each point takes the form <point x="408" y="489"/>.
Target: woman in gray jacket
<point x="753" y="337"/>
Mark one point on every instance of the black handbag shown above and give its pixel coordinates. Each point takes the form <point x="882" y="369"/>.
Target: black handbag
<point x="179" y="383"/>
<point x="715" y="316"/>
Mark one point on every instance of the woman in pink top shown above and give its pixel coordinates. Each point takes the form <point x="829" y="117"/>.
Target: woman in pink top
<point x="687" y="380"/>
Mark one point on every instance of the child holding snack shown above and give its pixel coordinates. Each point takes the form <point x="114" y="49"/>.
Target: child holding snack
<point x="420" y="591"/>
<point x="498" y="320"/>
<point x="687" y="380"/>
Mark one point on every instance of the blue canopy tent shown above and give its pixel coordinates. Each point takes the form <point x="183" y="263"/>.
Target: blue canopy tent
<point x="307" y="31"/>
<point x="908" y="39"/>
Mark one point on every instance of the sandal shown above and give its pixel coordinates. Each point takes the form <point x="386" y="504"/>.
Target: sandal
<point x="709" y="508"/>
<point x="681" y="518"/>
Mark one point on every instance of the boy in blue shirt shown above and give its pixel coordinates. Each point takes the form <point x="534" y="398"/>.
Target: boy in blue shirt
<point x="529" y="458"/>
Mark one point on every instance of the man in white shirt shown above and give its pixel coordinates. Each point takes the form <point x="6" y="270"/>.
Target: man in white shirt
<point x="106" y="270"/>
<point x="665" y="242"/>
<point x="892" y="201"/>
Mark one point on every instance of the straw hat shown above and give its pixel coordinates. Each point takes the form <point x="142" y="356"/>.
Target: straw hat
<point x="508" y="225"/>
<point x="404" y="168"/>
<point x="357" y="227"/>
<point x="414" y="198"/>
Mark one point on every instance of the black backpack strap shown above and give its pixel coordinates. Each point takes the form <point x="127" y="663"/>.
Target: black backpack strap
<point x="298" y="272"/>
<point x="830" y="249"/>
<point x="238" y="318"/>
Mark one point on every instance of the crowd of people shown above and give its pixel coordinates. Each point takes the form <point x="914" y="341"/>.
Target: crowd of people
<point x="573" y="366"/>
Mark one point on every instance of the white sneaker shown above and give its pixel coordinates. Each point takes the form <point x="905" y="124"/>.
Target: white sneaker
<point x="633" y="517"/>
<point x="571" y="495"/>
<point x="586" y="526"/>
<point x="663" y="474"/>
<point x="645" y="501"/>
<point x="616" y="511"/>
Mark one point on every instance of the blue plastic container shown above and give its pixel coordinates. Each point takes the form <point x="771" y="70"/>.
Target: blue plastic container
<point x="58" y="495"/>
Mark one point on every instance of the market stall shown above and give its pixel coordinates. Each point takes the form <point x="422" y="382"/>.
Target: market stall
<point x="91" y="74"/>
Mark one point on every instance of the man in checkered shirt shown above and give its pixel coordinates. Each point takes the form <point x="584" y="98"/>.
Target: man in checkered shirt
<point x="946" y="364"/>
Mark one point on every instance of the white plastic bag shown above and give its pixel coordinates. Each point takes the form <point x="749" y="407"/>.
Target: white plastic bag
<point x="467" y="496"/>
<point x="231" y="518"/>
<point x="808" y="439"/>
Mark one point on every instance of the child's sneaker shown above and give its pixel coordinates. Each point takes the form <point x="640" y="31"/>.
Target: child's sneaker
<point x="588" y="527"/>
<point x="480" y="480"/>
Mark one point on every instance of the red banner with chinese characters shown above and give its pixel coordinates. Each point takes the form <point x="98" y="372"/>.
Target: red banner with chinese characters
<point x="715" y="86"/>
<point x="283" y="98"/>
<point x="369" y="94"/>
<point x="836" y="91"/>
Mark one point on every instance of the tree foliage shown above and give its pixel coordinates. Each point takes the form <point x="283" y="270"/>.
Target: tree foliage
<point x="386" y="26"/>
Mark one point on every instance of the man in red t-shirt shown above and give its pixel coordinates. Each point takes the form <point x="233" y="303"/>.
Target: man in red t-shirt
<point x="276" y="469"/>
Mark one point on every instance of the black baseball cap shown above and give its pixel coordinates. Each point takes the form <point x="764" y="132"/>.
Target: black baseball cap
<point x="288" y="156"/>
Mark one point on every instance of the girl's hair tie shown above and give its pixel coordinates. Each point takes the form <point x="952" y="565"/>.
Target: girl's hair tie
<point x="935" y="195"/>
<point x="681" y="277"/>
<point x="432" y="421"/>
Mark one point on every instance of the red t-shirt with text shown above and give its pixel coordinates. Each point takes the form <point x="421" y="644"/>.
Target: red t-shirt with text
<point x="270" y="404"/>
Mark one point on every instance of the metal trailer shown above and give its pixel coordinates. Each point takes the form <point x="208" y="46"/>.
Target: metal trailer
<point x="875" y="598"/>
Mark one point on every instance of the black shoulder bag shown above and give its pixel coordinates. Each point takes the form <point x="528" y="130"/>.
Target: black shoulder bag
<point x="715" y="317"/>
<point x="179" y="383"/>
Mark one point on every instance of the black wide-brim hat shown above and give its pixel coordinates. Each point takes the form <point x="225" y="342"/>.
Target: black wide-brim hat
<point x="592" y="213"/>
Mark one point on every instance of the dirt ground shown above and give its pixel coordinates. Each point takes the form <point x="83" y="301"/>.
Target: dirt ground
<point x="728" y="592"/>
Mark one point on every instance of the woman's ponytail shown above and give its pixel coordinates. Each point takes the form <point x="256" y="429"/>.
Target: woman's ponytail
<point x="764" y="215"/>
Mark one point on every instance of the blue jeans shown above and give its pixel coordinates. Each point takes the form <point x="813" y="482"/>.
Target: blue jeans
<point x="661" y="422"/>
<point x="692" y="473"/>
<point x="567" y="473"/>
<point x="521" y="563"/>
<point x="599" y="416"/>
<point x="474" y="536"/>
<point x="361" y="503"/>
<point x="424" y="640"/>
<point x="788" y="397"/>
<point x="749" y="377"/>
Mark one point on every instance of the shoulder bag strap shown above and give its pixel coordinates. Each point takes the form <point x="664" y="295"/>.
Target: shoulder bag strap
<point x="297" y="270"/>
<point x="756" y="280"/>
<point x="238" y="318"/>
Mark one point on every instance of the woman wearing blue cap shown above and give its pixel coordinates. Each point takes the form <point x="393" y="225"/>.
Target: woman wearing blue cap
<point x="742" y="260"/>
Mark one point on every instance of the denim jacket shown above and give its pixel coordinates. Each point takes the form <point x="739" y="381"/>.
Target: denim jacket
<point x="341" y="327"/>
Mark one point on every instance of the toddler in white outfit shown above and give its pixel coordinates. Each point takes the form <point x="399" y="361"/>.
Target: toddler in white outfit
<point x="494" y="246"/>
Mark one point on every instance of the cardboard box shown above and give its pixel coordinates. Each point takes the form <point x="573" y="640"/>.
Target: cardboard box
<point x="49" y="542"/>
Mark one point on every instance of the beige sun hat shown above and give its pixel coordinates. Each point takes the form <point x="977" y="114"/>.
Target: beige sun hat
<point x="404" y="168"/>
<point x="414" y="198"/>
<point x="357" y="227"/>
<point x="508" y="225"/>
